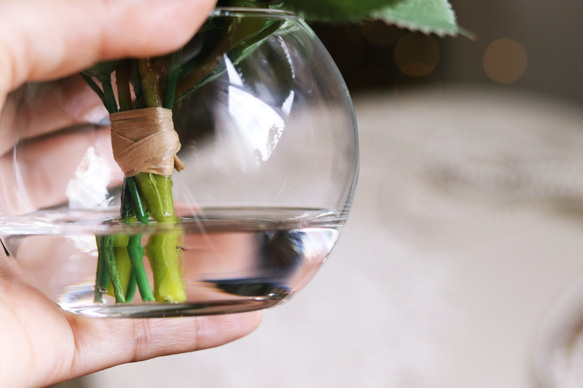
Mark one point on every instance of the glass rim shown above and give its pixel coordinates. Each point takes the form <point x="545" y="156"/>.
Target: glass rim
<point x="248" y="11"/>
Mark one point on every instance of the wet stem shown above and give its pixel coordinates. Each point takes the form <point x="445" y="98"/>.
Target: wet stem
<point x="159" y="78"/>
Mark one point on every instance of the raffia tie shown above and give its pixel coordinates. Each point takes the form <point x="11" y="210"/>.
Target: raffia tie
<point x="144" y="140"/>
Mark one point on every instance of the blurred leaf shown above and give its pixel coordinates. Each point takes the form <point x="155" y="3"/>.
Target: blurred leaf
<point x="337" y="10"/>
<point x="428" y="16"/>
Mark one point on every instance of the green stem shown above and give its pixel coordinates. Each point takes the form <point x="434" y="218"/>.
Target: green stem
<point x="127" y="211"/>
<point x="151" y="82"/>
<point x="122" y="79"/>
<point x="94" y="87"/>
<point x="168" y="284"/>
<point x="136" y="81"/>
<point x="136" y="252"/>
<point x="237" y="31"/>
<point x="108" y="244"/>
<point x="123" y="264"/>
<point x="131" y="288"/>
<point x="172" y="79"/>
<point x="163" y="249"/>
<point x="106" y="270"/>
<point x="157" y="193"/>
<point x="102" y="277"/>
<point x="196" y="76"/>
<point x="138" y="205"/>
<point x="109" y="95"/>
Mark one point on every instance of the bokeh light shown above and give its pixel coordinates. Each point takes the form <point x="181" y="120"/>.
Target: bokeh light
<point x="416" y="54"/>
<point x="505" y="61"/>
<point x="376" y="56"/>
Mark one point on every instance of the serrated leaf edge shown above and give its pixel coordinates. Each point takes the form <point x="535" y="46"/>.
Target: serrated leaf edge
<point x="441" y="32"/>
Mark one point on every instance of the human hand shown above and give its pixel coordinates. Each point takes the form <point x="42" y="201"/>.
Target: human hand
<point x="40" y="41"/>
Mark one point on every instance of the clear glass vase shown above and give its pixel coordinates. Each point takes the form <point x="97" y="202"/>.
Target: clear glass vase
<point x="269" y="143"/>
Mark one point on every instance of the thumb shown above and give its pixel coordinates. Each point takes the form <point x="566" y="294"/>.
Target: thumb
<point x="42" y="40"/>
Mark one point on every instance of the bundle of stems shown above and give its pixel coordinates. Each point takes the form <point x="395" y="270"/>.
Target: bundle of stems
<point x="147" y="197"/>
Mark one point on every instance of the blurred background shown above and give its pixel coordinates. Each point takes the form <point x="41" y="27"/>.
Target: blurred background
<point x="461" y="264"/>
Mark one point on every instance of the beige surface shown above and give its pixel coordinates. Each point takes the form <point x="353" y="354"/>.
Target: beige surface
<point x="465" y="230"/>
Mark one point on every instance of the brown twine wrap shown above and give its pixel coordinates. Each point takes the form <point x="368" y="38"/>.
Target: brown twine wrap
<point x="144" y="140"/>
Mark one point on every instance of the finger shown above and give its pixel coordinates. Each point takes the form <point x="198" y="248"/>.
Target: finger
<point x="58" y="105"/>
<point x="105" y="343"/>
<point x="42" y="40"/>
<point x="50" y="170"/>
<point x="60" y="346"/>
<point x="42" y="108"/>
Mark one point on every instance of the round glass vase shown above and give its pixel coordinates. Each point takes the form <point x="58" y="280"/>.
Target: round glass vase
<point x="269" y="144"/>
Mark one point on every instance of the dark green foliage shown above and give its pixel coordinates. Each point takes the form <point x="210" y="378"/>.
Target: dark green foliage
<point x="337" y="10"/>
<point x="101" y="69"/>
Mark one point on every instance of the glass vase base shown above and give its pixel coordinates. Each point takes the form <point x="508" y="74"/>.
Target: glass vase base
<point x="172" y="310"/>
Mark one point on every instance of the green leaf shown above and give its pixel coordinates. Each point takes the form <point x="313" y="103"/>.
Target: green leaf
<point x="337" y="10"/>
<point x="428" y="16"/>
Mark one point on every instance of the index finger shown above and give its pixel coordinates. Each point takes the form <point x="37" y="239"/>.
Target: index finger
<point x="42" y="40"/>
<point x="38" y="109"/>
